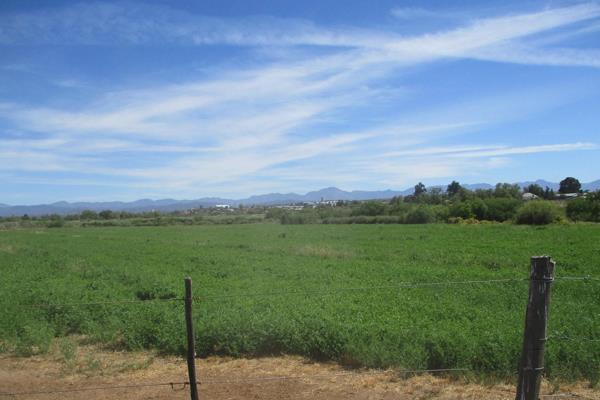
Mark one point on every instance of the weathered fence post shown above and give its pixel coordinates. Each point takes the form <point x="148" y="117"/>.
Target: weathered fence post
<point x="191" y="349"/>
<point x="536" y="319"/>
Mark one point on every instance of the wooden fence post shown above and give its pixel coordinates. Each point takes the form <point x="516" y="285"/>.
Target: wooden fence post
<point x="191" y="348"/>
<point x="536" y="319"/>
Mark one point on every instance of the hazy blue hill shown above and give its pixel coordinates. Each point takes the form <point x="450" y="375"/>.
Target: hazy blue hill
<point x="540" y="182"/>
<point x="591" y="186"/>
<point x="166" y="205"/>
<point x="270" y="198"/>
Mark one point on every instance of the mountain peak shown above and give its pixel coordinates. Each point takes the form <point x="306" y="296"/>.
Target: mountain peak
<point x="167" y="205"/>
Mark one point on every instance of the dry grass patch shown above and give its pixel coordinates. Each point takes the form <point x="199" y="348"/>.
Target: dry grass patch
<point x="7" y="248"/>
<point x="304" y="379"/>
<point x="327" y="252"/>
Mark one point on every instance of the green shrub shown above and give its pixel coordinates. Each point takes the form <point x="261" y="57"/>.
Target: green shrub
<point x="538" y="212"/>
<point x="58" y="223"/>
<point x="478" y="208"/>
<point x="299" y="218"/>
<point x="420" y="215"/>
<point x="501" y="208"/>
<point x="33" y="338"/>
<point x="370" y="208"/>
<point x="584" y="209"/>
<point x="461" y="209"/>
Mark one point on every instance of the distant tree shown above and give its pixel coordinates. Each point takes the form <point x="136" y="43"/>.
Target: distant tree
<point x="420" y="189"/>
<point x="501" y="208"/>
<point x="88" y="214"/>
<point x="585" y="208"/>
<point x="371" y="208"/>
<point x="479" y="208"/>
<point x="25" y="217"/>
<point x="538" y="213"/>
<point x="507" y="190"/>
<point x="420" y="215"/>
<point x="435" y="196"/>
<point x="548" y="193"/>
<point x="535" y="189"/>
<point x="54" y="217"/>
<point x="484" y="193"/>
<point x="461" y="209"/>
<point x="569" y="185"/>
<point x="453" y="188"/>
<point x="106" y="214"/>
<point x="55" y="221"/>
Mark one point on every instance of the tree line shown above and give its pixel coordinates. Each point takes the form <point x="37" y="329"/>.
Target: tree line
<point x="457" y="204"/>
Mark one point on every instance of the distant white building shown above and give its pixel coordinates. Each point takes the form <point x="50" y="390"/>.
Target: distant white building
<point x="226" y="206"/>
<point x="570" y="195"/>
<point x="529" y="196"/>
<point x="291" y="207"/>
<point x="332" y="203"/>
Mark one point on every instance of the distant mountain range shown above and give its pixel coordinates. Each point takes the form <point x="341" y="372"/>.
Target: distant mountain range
<point x="166" y="205"/>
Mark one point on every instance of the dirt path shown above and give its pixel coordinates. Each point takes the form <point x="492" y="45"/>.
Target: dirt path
<point x="88" y="368"/>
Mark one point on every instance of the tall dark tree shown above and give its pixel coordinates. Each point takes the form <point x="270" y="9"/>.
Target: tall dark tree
<point x="569" y="185"/>
<point x="89" y="214"/>
<point x="548" y="193"/>
<point x="106" y="214"/>
<point x="453" y="188"/>
<point x="535" y="189"/>
<point x="507" y="190"/>
<point x="420" y="189"/>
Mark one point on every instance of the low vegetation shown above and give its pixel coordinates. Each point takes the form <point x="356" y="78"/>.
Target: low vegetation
<point x="269" y="289"/>
<point x="505" y="203"/>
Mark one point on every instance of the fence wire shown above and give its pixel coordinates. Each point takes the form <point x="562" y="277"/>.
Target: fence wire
<point x="326" y="376"/>
<point x="183" y="385"/>
<point x="97" y="303"/>
<point x="173" y="385"/>
<point x="321" y="291"/>
<point x="209" y="381"/>
<point x="400" y="285"/>
<point x="325" y="291"/>
<point x="572" y="338"/>
<point x="564" y="395"/>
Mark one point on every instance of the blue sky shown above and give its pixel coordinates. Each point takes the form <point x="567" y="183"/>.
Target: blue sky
<point x="124" y="100"/>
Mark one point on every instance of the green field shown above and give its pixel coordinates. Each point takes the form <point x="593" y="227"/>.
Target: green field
<point x="273" y="289"/>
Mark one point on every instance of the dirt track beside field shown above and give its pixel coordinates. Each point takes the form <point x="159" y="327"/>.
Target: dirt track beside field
<point x="88" y="368"/>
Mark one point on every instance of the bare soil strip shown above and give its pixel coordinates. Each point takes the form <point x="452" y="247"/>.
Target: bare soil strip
<point x="231" y="379"/>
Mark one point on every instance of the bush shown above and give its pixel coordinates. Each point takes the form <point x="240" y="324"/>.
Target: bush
<point x="370" y="208"/>
<point x="56" y="223"/>
<point x="538" y="213"/>
<point x="461" y="209"/>
<point x="420" y="215"/>
<point x="299" y="218"/>
<point x="584" y="209"/>
<point x="501" y="208"/>
<point x="479" y="208"/>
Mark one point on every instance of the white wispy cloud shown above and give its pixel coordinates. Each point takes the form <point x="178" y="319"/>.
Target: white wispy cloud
<point x="473" y="151"/>
<point x="418" y="12"/>
<point x="266" y="119"/>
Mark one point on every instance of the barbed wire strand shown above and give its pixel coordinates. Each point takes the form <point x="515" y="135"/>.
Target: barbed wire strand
<point x="94" y="303"/>
<point x="574" y="339"/>
<point x="329" y="375"/>
<point x="400" y="285"/>
<point x="173" y="386"/>
<point x="565" y="395"/>
<point x="578" y="278"/>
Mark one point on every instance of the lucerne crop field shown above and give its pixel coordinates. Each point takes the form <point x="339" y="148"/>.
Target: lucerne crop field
<point x="406" y="296"/>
